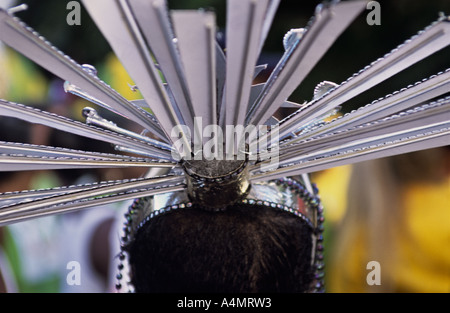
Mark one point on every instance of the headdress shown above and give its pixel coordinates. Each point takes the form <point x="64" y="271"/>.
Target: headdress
<point x="195" y="89"/>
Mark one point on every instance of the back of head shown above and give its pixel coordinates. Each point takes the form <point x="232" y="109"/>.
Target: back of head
<point x="242" y="249"/>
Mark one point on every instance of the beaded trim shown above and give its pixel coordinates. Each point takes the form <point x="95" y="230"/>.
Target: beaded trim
<point x="311" y="200"/>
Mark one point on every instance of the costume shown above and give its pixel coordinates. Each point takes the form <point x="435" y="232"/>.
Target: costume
<point x="211" y="131"/>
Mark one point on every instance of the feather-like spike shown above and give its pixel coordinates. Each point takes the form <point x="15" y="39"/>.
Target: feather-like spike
<point x="432" y="39"/>
<point x="195" y="32"/>
<point x="329" y="22"/>
<point x="23" y="39"/>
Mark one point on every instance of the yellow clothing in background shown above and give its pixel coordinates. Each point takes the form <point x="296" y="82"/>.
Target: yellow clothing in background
<point x="424" y="260"/>
<point x="20" y="81"/>
<point x="417" y="256"/>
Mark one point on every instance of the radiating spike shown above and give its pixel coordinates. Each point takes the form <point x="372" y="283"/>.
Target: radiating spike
<point x="243" y="39"/>
<point x="89" y="198"/>
<point x="403" y="99"/>
<point x="71" y="88"/>
<point x="27" y="214"/>
<point x="95" y="190"/>
<point x="221" y="65"/>
<point x="425" y="127"/>
<point x="93" y="118"/>
<point x="47" y="151"/>
<point x="23" y="39"/>
<point x="299" y="60"/>
<point x="429" y="115"/>
<point x="195" y="32"/>
<point x="17" y="162"/>
<point x="362" y="153"/>
<point x="269" y="15"/>
<point x="153" y="19"/>
<point x="122" y="32"/>
<point x="427" y="42"/>
<point x="34" y="115"/>
<point x="15" y="197"/>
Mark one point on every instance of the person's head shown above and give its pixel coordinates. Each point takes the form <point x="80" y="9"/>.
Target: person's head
<point x="269" y="241"/>
<point x="245" y="248"/>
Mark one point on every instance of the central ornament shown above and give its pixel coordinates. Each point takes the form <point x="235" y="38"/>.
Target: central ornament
<point x="216" y="184"/>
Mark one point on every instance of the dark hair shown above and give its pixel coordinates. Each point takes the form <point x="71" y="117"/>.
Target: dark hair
<point x="245" y="248"/>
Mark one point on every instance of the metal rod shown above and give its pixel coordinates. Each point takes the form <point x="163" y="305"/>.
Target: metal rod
<point x="28" y="212"/>
<point x="302" y="56"/>
<point x="432" y="39"/>
<point x="27" y="42"/>
<point x="33" y="115"/>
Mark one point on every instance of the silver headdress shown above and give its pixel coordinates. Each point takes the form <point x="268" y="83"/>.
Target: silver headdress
<point x="183" y="75"/>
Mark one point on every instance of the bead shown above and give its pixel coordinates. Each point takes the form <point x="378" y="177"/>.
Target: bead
<point x="320" y="266"/>
<point x="319" y="275"/>
<point x="315" y="189"/>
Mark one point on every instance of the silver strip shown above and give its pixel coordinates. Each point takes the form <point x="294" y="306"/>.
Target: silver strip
<point x="430" y="117"/>
<point x="245" y="19"/>
<point x="122" y="32"/>
<point x="195" y="32"/>
<point x="433" y="38"/>
<point x="18" y="36"/>
<point x="302" y="56"/>
<point x="33" y="115"/>
<point x="398" y="101"/>
<point x="15" y="162"/>
<point x="362" y="153"/>
<point x="70" y="203"/>
<point x="152" y="17"/>
<point x="93" y="118"/>
<point x="48" y="151"/>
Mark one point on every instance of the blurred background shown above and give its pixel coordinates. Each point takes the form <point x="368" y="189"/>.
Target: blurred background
<point x="394" y="211"/>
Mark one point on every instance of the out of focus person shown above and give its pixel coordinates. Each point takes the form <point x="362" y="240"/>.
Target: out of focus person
<point x="396" y="212"/>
